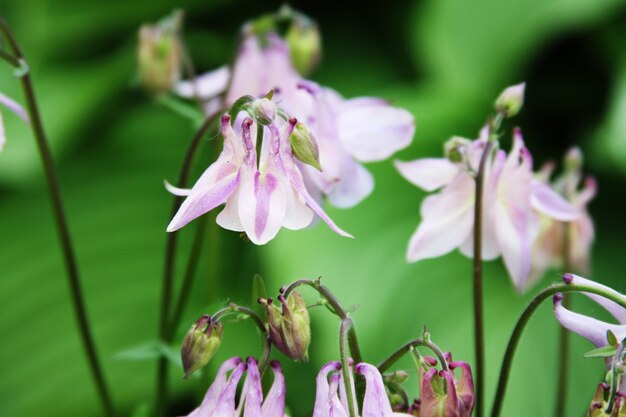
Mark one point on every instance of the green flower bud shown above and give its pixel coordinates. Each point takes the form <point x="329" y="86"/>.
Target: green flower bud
<point x="511" y="100"/>
<point x="304" y="145"/>
<point x="159" y="54"/>
<point x="289" y="326"/>
<point x="573" y="160"/>
<point x="200" y="345"/>
<point x="455" y="149"/>
<point x="305" y="44"/>
<point x="264" y="110"/>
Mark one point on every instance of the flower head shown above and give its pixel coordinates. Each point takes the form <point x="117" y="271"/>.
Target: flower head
<point x="348" y="132"/>
<point x="220" y="399"/>
<point x="512" y="201"/>
<point x="261" y="193"/>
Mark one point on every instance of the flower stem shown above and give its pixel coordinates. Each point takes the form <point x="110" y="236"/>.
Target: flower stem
<point x="168" y="273"/>
<point x="267" y="344"/>
<point x="563" y="352"/>
<point x="60" y="217"/>
<point x="402" y="350"/>
<point x="344" y="334"/>
<point x="479" y="334"/>
<point x="507" y="362"/>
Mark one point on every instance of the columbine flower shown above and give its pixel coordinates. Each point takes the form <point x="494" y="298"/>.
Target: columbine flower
<point x="220" y="399"/>
<point x="512" y="201"/>
<point x="548" y="251"/>
<point x="592" y="329"/>
<point x="331" y="399"/>
<point x="16" y="109"/>
<point x="260" y="196"/>
<point x="348" y="131"/>
<point x="599" y="403"/>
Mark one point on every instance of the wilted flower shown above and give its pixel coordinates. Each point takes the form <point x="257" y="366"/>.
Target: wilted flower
<point x="512" y="201"/>
<point x="347" y="131"/>
<point x="200" y="344"/>
<point x="220" y="399"/>
<point x="289" y="326"/>
<point x="578" y="234"/>
<point x="159" y="54"/>
<point x="592" y="329"/>
<point x="261" y="196"/>
<point x="16" y="109"/>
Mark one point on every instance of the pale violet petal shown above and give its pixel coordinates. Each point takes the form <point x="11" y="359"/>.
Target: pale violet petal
<point x="375" y="403"/>
<point x="274" y="404"/>
<point x="253" y="391"/>
<point x="428" y="174"/>
<point x="353" y="185"/>
<point x="322" y="397"/>
<point x="219" y="383"/>
<point x="298" y="215"/>
<point x="512" y="230"/>
<point x="336" y="407"/>
<point x="225" y="405"/>
<point x="615" y="309"/>
<point x="208" y="85"/>
<point x="549" y="202"/>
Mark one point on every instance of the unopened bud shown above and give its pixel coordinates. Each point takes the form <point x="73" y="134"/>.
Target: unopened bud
<point x="289" y="326"/>
<point x="159" y="54"/>
<point x="511" y="100"/>
<point x="398" y="377"/>
<point x="305" y="44"/>
<point x="200" y="344"/>
<point x="264" y="111"/>
<point x="573" y="159"/>
<point x="304" y="146"/>
<point x="455" y="149"/>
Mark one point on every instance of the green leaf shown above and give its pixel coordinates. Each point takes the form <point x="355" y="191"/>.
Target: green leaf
<point x="612" y="339"/>
<point x="603" y="352"/>
<point x="182" y="108"/>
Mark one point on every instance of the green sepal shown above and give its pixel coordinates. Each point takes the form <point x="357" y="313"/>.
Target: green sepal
<point x="603" y="352"/>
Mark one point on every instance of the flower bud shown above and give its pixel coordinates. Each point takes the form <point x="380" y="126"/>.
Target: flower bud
<point x="200" y="345"/>
<point x="599" y="405"/>
<point x="305" y="44"/>
<point x="264" y="111"/>
<point x="304" y="146"/>
<point x="573" y="160"/>
<point x="455" y="149"/>
<point x="289" y="327"/>
<point x="511" y="100"/>
<point x="444" y="395"/>
<point x="159" y="54"/>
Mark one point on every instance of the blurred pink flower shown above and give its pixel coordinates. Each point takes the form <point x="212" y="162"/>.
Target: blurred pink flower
<point x="260" y="197"/>
<point x="220" y="399"/>
<point x="512" y="201"/>
<point x="348" y="132"/>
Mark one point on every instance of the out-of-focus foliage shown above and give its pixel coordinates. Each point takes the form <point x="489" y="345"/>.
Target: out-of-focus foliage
<point x="445" y="60"/>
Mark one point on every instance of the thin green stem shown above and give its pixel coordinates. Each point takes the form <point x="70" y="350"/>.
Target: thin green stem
<point x="267" y="344"/>
<point x="511" y="348"/>
<point x="344" y="331"/>
<point x="160" y="397"/>
<point x="67" y="248"/>
<point x="404" y="349"/>
<point x="563" y="352"/>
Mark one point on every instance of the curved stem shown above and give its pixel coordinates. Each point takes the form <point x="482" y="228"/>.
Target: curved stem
<point x="564" y="337"/>
<point x="344" y="330"/>
<point x="60" y="217"/>
<point x="395" y="356"/>
<point x="267" y="344"/>
<point x="477" y="287"/>
<point x="168" y="272"/>
<point x="521" y="324"/>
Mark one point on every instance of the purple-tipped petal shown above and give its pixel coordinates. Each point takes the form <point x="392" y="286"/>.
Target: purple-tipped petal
<point x="219" y="383"/>
<point x="465" y="386"/>
<point x="205" y="86"/>
<point x="336" y="408"/>
<point x="549" y="202"/>
<point x="428" y="174"/>
<point x="253" y="393"/>
<point x="612" y="307"/>
<point x="322" y="397"/>
<point x="372" y="130"/>
<point x="592" y="329"/>
<point x="274" y="404"/>
<point x="225" y="405"/>
<point x="375" y="403"/>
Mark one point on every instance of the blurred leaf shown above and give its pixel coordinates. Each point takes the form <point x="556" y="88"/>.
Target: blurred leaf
<point x="142" y="352"/>
<point x="258" y="291"/>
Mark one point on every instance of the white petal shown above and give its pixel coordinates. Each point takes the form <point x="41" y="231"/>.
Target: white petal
<point x="546" y="200"/>
<point x="208" y="85"/>
<point x="372" y="130"/>
<point x="355" y="183"/>
<point x="298" y="215"/>
<point x="181" y="192"/>
<point x="428" y="174"/>
<point x="229" y="216"/>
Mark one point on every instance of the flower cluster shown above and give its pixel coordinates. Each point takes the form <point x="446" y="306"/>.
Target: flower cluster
<point x="348" y="131"/>
<point x="513" y="202"/>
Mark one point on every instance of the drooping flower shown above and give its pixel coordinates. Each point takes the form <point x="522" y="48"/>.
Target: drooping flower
<point x="16" y="109"/>
<point x="549" y="250"/>
<point x="331" y="399"/>
<point x="349" y="131"/>
<point x="512" y="201"/>
<point x="590" y="328"/>
<point x="220" y="399"/>
<point x="260" y="195"/>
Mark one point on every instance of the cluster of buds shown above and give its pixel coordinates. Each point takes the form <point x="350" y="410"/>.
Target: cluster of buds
<point x="200" y="344"/>
<point x="600" y="406"/>
<point x="289" y="325"/>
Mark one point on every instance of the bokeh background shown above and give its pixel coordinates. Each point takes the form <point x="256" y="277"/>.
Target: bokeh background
<point x="444" y="60"/>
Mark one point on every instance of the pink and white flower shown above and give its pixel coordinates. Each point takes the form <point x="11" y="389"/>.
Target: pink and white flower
<point x="349" y="131"/>
<point x="220" y="399"/>
<point x="512" y="201"/>
<point x="260" y="196"/>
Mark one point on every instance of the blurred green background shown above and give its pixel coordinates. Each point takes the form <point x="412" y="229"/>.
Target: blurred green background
<point x="444" y="60"/>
